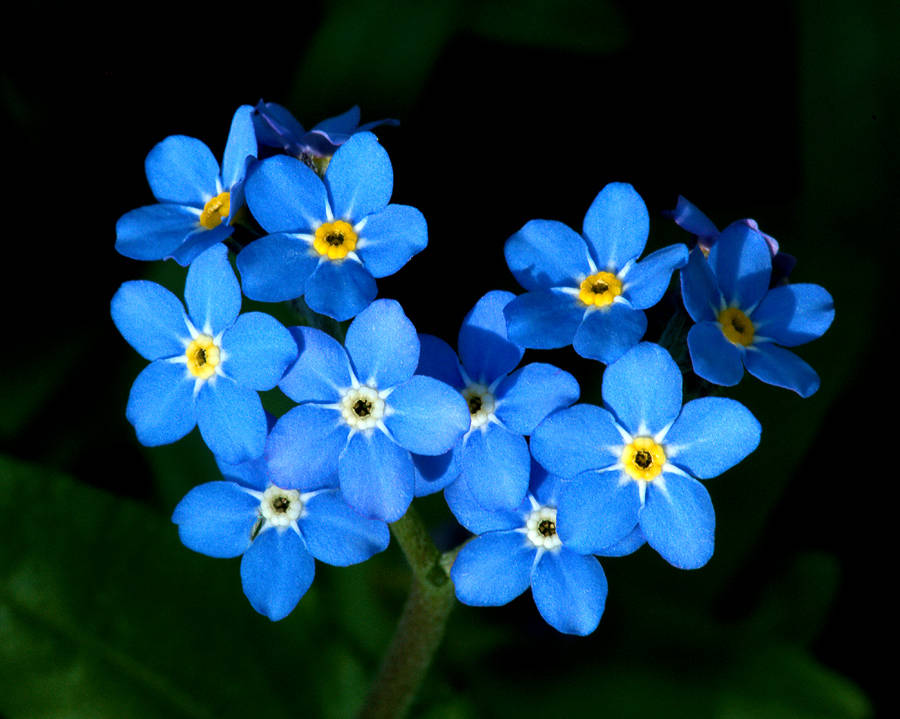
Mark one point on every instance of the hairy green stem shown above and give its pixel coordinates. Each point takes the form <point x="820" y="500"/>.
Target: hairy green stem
<point x="421" y="625"/>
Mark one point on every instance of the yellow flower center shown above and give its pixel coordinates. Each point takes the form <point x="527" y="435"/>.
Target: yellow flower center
<point x="600" y="289"/>
<point x="736" y="326"/>
<point x="216" y="210"/>
<point x="202" y="357"/>
<point x="644" y="458"/>
<point x="335" y="240"/>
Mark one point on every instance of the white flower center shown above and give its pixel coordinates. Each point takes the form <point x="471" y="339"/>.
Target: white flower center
<point x="280" y="507"/>
<point x="362" y="407"/>
<point x="540" y="526"/>
<point x="481" y="403"/>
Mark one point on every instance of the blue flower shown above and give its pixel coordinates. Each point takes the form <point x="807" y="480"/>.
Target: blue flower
<point x="197" y="201"/>
<point x="589" y="291"/>
<point x="279" y="530"/>
<point x="638" y="461"/>
<point x="492" y="458"/>
<point x="741" y="322"/>
<point x="330" y="236"/>
<point x="276" y="127"/>
<point x="687" y="216"/>
<point x="207" y="365"/>
<point x="521" y="548"/>
<point x="362" y="412"/>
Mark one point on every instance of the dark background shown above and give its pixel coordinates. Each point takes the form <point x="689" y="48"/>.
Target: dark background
<point x="787" y="113"/>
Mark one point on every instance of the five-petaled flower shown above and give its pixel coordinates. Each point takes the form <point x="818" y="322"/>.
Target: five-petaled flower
<point x="741" y="322"/>
<point x="637" y="461"/>
<point x="363" y="410"/>
<point x="279" y="530"/>
<point x="492" y="458"/>
<point x="521" y="548"/>
<point x="589" y="291"/>
<point x="197" y="201"/>
<point x="207" y="365"/>
<point x="330" y="236"/>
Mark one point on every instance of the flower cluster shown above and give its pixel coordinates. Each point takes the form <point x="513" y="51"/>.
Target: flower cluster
<point x="384" y="414"/>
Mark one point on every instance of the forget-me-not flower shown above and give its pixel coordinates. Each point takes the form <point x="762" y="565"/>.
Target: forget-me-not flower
<point x="197" y="200"/>
<point x="742" y="323"/>
<point x="330" y="236"/>
<point x="207" y="365"/>
<point x="363" y="411"/>
<point x="589" y="291"/>
<point x="637" y="461"/>
<point x="279" y="530"/>
<point x="521" y="548"/>
<point x="492" y="458"/>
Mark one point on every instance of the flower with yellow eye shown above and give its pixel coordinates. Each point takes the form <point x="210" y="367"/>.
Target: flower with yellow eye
<point x="197" y="199"/>
<point x="741" y="322"/>
<point x="207" y="364"/>
<point x="637" y="461"/>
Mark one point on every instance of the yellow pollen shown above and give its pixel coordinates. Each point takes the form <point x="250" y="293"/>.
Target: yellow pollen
<point x="335" y="240"/>
<point x="736" y="326"/>
<point x="644" y="459"/>
<point x="216" y="210"/>
<point x="202" y="357"/>
<point x="600" y="289"/>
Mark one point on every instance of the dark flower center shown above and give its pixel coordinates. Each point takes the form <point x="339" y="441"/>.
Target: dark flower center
<point x="335" y="239"/>
<point x="475" y="403"/>
<point x="643" y="458"/>
<point x="200" y="357"/>
<point x="547" y="527"/>
<point x="362" y="408"/>
<point x="599" y="287"/>
<point x="281" y="504"/>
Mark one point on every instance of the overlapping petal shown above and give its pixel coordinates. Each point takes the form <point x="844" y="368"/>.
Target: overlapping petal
<point x="212" y="293"/>
<point x="495" y="466"/>
<point x="484" y="348"/>
<point x="547" y="253"/>
<point x="304" y="446"/>
<point x="742" y="263"/>
<point x="713" y="357"/>
<point x="259" y="350"/>
<point x="474" y="517"/>
<point x="275" y="268"/>
<point x="359" y="178"/>
<point x="377" y="476"/>
<point x="544" y="319"/>
<point x="340" y="289"/>
<point x="338" y="535"/>
<point x="606" y="334"/>
<point x="493" y="569"/>
<point x="597" y="510"/>
<point x="529" y="394"/>
<point x="383" y="345"/>
<point x="284" y="195"/>
<point x="154" y="232"/>
<point x="648" y="279"/>
<point x="427" y="416"/>
<point x="322" y="370"/>
<point x="577" y="439"/>
<point x="240" y="147"/>
<point x="699" y="289"/>
<point x="782" y="368"/>
<point x="792" y="315"/>
<point x="216" y="519"/>
<point x="437" y="359"/>
<point x="231" y="420"/>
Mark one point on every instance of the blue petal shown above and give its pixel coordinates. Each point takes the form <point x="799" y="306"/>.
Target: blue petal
<point x="343" y="124"/>
<point x="259" y="350"/>
<point x="596" y="510"/>
<point x="383" y="345"/>
<point x="607" y="334"/>
<point x="200" y="240"/>
<point x="304" y="446"/>
<point x="529" y="394"/>
<point x="616" y="226"/>
<point x="545" y="319"/>
<point x="496" y="467"/>
<point x="390" y="238"/>
<point x="285" y="195"/>
<point x="679" y="521"/>
<point x="742" y="263"/>
<point x="544" y="486"/>
<point x="336" y="534"/>
<point x="231" y="420"/>
<point x="435" y="473"/>
<point x="254" y="473"/>
<point x="643" y="389"/>
<point x="275" y="126"/>
<point x="437" y="359"/>
<point x="699" y="289"/>
<point x="359" y="178"/>
<point x="182" y="170"/>
<point x="154" y="232"/>
<point x="377" y="476"/>
<point x="711" y="435"/>
<point x="687" y="216"/>
<point x="276" y="572"/>
<point x="547" y="253"/>
<point x="493" y="569"/>
<point x="713" y="357"/>
<point x="782" y="368"/>
<point x="485" y="350"/>
<point x="275" y="268"/>
<point x="212" y="292"/>
<point x="794" y="314"/>
<point x="340" y="289"/>
<point x="629" y="545"/>
<point x="241" y="145"/>
<point x="427" y="416"/>
<point x="471" y="515"/>
<point x="216" y="519"/>
<point x="647" y="280"/>
<point x="161" y="403"/>
<point x="577" y="439"/>
<point x="151" y="319"/>
<point x="322" y="370"/>
<point x="569" y="591"/>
